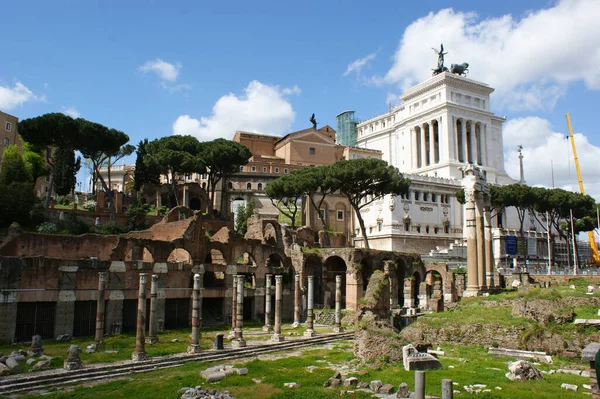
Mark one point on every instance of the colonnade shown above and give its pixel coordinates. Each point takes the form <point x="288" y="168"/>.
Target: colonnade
<point x="470" y="138"/>
<point x="426" y="143"/>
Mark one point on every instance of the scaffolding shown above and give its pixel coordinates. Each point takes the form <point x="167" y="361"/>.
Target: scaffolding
<point x="346" y="133"/>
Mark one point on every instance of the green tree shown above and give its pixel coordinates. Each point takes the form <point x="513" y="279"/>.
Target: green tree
<point x="14" y="169"/>
<point x="16" y="191"/>
<point x="35" y="161"/>
<point x="66" y="166"/>
<point x="174" y="156"/>
<point x="285" y="193"/>
<point x="243" y="213"/>
<point x="365" y="180"/>
<point x="143" y="174"/>
<point x="136" y="215"/>
<point x="221" y="158"/>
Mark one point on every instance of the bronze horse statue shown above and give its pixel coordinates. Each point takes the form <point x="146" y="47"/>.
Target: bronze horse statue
<point x="460" y="69"/>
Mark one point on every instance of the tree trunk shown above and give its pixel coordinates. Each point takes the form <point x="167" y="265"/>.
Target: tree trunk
<point x="361" y="222"/>
<point x="49" y="193"/>
<point x="111" y="198"/>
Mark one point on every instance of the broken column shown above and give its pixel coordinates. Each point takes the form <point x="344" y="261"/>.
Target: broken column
<point x="233" y="306"/>
<point x="277" y="337"/>
<point x="470" y="185"/>
<point x="36" y="349"/>
<point x="73" y="362"/>
<point x="100" y="309"/>
<point x="480" y="241"/>
<point x="267" y="326"/>
<point x="310" y="332"/>
<point x="296" y="301"/>
<point x="140" y="348"/>
<point x="194" y="346"/>
<point x="338" y="305"/>
<point x="152" y="338"/>
<point x="489" y="258"/>
<point x="419" y="385"/>
<point x="447" y="389"/>
<point x="238" y="341"/>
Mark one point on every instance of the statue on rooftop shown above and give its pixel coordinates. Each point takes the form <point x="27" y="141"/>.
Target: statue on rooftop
<point x="313" y="121"/>
<point x="440" y="67"/>
<point x="460" y="69"/>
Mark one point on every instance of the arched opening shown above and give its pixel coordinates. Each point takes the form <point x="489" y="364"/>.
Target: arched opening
<point x="139" y="253"/>
<point x="248" y="186"/>
<point x="416" y="283"/>
<point x="180" y="255"/>
<point x="215" y="257"/>
<point x="400" y="272"/>
<point x="235" y="204"/>
<point x="259" y="186"/>
<point x="230" y="185"/>
<point x="366" y="270"/>
<point x="246" y="259"/>
<point x="195" y="203"/>
<point x="333" y="266"/>
<point x="434" y="284"/>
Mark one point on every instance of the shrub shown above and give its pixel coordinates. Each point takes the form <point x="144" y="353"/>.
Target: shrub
<point x="47" y="228"/>
<point x="89" y="205"/>
<point x="62" y="200"/>
<point x="74" y="225"/>
<point x="112" y="228"/>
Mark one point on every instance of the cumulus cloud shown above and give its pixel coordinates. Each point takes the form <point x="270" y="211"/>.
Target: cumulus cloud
<point x="13" y="97"/>
<point x="164" y="70"/>
<point x="530" y="59"/>
<point x="544" y="146"/>
<point x="358" y="65"/>
<point x="71" y="111"/>
<point x="261" y="108"/>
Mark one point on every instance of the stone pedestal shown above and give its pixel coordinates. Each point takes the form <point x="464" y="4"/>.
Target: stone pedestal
<point x="72" y="362"/>
<point x="310" y="332"/>
<point x="140" y="348"/>
<point x="194" y="346"/>
<point x="152" y="338"/>
<point x="36" y="349"/>
<point x="277" y="337"/>
<point x="268" y="326"/>
<point x="238" y="341"/>
<point x="296" y="301"/>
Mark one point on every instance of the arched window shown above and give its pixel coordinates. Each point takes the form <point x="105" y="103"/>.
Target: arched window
<point x="260" y="186"/>
<point x="230" y="185"/>
<point x="249" y="186"/>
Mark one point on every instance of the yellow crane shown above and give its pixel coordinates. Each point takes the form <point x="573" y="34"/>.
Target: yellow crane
<point x="593" y="245"/>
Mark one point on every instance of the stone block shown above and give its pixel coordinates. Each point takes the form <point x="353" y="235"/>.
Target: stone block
<point x="291" y="385"/>
<point x="570" y="387"/>
<point x="375" y="385"/>
<point x="350" y="382"/>
<point x="13" y="365"/>
<point x="30" y="361"/>
<point x="42" y="365"/>
<point x="403" y="391"/>
<point x="362" y="385"/>
<point x="337" y="375"/>
<point x="242" y="371"/>
<point x="523" y="371"/>
<point x="589" y="352"/>
<point x="4" y="370"/>
<point x="386" y="389"/>
<point x="214" y="377"/>
<point x="336" y="382"/>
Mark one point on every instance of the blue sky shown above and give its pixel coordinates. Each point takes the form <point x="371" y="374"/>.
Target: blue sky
<point x="156" y="68"/>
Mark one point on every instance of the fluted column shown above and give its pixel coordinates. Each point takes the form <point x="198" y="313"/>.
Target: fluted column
<point x="267" y="326"/>
<point x="489" y="257"/>
<point x="338" y="304"/>
<point x="152" y="338"/>
<point x="100" y="309"/>
<point x="430" y="150"/>
<point x="473" y="146"/>
<point x="233" y="307"/>
<point x="238" y="341"/>
<point x="414" y="148"/>
<point x="465" y="150"/>
<point x="277" y="337"/>
<point x="471" y="235"/>
<point x="423" y="147"/>
<point x="480" y="243"/>
<point x="436" y="147"/>
<point x="194" y="346"/>
<point x="140" y="347"/>
<point x="296" y="300"/>
<point x="484" y="141"/>
<point x="310" y="332"/>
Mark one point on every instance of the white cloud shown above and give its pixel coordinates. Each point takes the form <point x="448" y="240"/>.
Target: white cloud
<point x="71" y="111"/>
<point x="12" y="97"/>
<point x="542" y="145"/>
<point x="359" y="64"/>
<point x="261" y="108"/>
<point x="164" y="70"/>
<point x="530" y="60"/>
<point x="392" y="99"/>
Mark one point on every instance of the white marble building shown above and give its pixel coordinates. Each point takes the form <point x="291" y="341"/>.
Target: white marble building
<point x="441" y="125"/>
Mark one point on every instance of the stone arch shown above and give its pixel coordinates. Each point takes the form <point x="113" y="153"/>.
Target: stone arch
<point x="416" y="280"/>
<point x="246" y="259"/>
<point x="139" y="253"/>
<point x="215" y="257"/>
<point x="332" y="267"/>
<point x="180" y="255"/>
<point x="195" y="203"/>
<point x="433" y="291"/>
<point x="366" y="270"/>
<point x="313" y="266"/>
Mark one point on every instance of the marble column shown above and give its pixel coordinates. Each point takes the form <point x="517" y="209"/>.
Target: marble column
<point x="194" y="346"/>
<point x="484" y="139"/>
<point x="436" y="147"/>
<point x="480" y="242"/>
<point x="473" y="147"/>
<point x="430" y="150"/>
<point x="140" y="348"/>
<point x="454" y="134"/>
<point x="277" y="337"/>
<point x="489" y="258"/>
<point x="414" y="148"/>
<point x="100" y="309"/>
<point x="296" y="301"/>
<point x="310" y="332"/>
<point x="152" y="338"/>
<point x="338" y="305"/>
<point x="267" y="326"/>
<point x="423" y="147"/>
<point x="238" y="341"/>
<point x="464" y="144"/>
<point x="471" y="235"/>
<point x="233" y="306"/>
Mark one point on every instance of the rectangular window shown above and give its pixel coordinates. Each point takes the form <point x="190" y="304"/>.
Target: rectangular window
<point x="8" y="126"/>
<point x="241" y="168"/>
<point x="311" y="151"/>
<point x="276" y="170"/>
<point x="264" y="170"/>
<point x="6" y="141"/>
<point x="353" y="156"/>
<point x="340" y="215"/>
<point x="285" y="171"/>
<point x="254" y="168"/>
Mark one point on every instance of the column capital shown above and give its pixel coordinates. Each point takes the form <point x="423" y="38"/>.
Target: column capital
<point x="143" y="277"/>
<point x="154" y="278"/>
<point x="278" y="278"/>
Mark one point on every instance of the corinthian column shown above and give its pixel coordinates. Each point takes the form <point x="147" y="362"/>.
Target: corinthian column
<point x="338" y="304"/>
<point x="99" y="338"/>
<point x="194" y="346"/>
<point x="423" y="147"/>
<point x="233" y="307"/>
<point x="465" y="145"/>
<point x="310" y="332"/>
<point x="267" y="326"/>
<point x="489" y="256"/>
<point x="430" y="151"/>
<point x="480" y="243"/>
<point x="414" y="148"/>
<point x="152" y="338"/>
<point x="473" y="150"/>
<point x="471" y="236"/>
<point x="238" y="341"/>
<point x="277" y="337"/>
<point x="140" y="348"/>
<point x="296" y="301"/>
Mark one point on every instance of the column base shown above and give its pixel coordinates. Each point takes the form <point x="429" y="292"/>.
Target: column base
<point x="139" y="356"/>
<point x="67" y="365"/>
<point x="95" y="347"/>
<point x="151" y="340"/>
<point x="338" y="329"/>
<point x="238" y="343"/>
<point x="194" y="348"/>
<point x="309" y="333"/>
<point x="470" y="292"/>
<point x="231" y="335"/>
<point x="35" y="352"/>
<point x="295" y="324"/>
<point x="277" y="338"/>
<point x="267" y="328"/>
